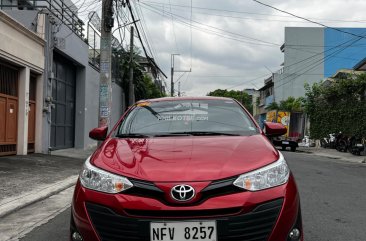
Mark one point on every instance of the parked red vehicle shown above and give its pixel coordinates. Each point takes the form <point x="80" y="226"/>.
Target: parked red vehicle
<point x="186" y="169"/>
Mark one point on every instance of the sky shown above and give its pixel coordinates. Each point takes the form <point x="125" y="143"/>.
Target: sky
<point x="226" y="44"/>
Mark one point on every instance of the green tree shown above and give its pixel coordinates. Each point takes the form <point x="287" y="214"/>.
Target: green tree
<point x="145" y="88"/>
<point x="337" y="106"/>
<point x="273" y="106"/>
<point x="152" y="90"/>
<point x="240" y="96"/>
<point x="291" y="104"/>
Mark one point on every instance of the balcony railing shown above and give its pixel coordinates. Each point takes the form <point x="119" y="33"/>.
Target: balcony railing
<point x="57" y="8"/>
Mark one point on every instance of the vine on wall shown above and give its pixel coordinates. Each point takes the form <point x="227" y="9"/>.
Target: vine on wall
<point x="336" y="106"/>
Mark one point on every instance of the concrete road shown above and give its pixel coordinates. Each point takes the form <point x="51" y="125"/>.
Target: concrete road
<point x="56" y="229"/>
<point x="333" y="199"/>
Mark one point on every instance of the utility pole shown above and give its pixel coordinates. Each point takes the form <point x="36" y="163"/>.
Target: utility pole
<point x="131" y="91"/>
<point x="172" y="75"/>
<point x="178" y="89"/>
<point x="105" y="84"/>
<point x="171" y="82"/>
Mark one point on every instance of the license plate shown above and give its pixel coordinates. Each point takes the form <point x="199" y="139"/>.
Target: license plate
<point x="359" y="145"/>
<point x="183" y="231"/>
<point x="285" y="142"/>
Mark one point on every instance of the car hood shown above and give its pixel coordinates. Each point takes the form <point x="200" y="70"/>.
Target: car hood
<point x="187" y="158"/>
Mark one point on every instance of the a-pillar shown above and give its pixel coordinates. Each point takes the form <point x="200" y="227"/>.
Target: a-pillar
<point x="23" y="109"/>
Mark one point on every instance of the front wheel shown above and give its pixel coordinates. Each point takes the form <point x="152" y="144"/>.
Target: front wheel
<point x="342" y="146"/>
<point x="323" y="143"/>
<point x="293" y="148"/>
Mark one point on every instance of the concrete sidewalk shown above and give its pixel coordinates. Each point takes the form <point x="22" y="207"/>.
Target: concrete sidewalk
<point x="29" y="179"/>
<point x="333" y="154"/>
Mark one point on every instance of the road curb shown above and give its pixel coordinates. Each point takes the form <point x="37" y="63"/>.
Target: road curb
<point x="12" y="204"/>
<point x="335" y="157"/>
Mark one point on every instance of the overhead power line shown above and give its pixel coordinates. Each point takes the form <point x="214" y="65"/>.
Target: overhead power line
<point x="95" y="5"/>
<point x="144" y="35"/>
<point x="220" y="32"/>
<point x="248" y="81"/>
<point x="311" y="65"/>
<point x="316" y="63"/>
<point x="139" y="37"/>
<point x="250" y="13"/>
<point x="180" y="8"/>
<point x="230" y="37"/>
<point x="213" y="30"/>
<point x="173" y="29"/>
<point x="119" y="24"/>
<point x="144" y="26"/>
<point x="225" y="36"/>
<point x="311" y="21"/>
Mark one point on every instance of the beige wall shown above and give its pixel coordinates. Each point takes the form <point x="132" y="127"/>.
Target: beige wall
<point x="20" y="45"/>
<point x="24" y="49"/>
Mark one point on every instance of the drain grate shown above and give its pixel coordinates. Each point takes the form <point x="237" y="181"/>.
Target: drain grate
<point x="8" y="149"/>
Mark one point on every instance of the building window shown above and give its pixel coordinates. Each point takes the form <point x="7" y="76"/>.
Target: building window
<point x="26" y="5"/>
<point x="6" y="4"/>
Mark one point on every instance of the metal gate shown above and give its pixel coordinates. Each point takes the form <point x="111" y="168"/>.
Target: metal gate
<point x="63" y="114"/>
<point x="8" y="109"/>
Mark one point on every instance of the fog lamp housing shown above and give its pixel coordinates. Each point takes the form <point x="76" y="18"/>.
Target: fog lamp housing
<point x="76" y="236"/>
<point x="294" y="235"/>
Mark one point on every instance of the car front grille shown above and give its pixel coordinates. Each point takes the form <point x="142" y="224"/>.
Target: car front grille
<point x="214" y="189"/>
<point x="252" y="226"/>
<point x="182" y="214"/>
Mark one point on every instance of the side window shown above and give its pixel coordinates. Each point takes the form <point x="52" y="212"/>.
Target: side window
<point x="6" y="4"/>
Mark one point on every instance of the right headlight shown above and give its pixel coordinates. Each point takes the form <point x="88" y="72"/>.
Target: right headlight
<point x="266" y="177"/>
<point x="97" y="179"/>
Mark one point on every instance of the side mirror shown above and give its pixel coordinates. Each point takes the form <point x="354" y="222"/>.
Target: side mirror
<point x="99" y="133"/>
<point x="274" y="129"/>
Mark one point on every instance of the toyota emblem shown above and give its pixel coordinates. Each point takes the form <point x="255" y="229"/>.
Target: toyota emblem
<point x="182" y="192"/>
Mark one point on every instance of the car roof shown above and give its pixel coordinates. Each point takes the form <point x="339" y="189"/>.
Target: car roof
<point x="185" y="98"/>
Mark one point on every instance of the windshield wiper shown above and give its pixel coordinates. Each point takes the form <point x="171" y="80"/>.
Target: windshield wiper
<point x="173" y="134"/>
<point x="206" y="133"/>
<point x="185" y="133"/>
<point x="132" y="135"/>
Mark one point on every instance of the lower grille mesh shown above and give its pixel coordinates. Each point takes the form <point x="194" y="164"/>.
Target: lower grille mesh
<point x="253" y="226"/>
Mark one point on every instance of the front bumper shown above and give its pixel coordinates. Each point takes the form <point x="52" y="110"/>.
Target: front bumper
<point x="267" y="215"/>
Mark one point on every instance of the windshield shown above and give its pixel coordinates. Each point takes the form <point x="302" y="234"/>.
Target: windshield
<point x="187" y="117"/>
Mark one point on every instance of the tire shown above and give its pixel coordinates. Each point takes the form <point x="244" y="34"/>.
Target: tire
<point x="293" y="148"/>
<point x="342" y="146"/>
<point x="356" y="152"/>
<point x="332" y="145"/>
<point x="283" y="148"/>
<point x="323" y="143"/>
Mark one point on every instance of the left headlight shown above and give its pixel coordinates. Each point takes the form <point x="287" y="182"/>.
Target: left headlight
<point x="266" y="177"/>
<point x="97" y="179"/>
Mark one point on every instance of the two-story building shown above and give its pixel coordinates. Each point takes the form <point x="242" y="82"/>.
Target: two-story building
<point x="312" y="54"/>
<point x="66" y="82"/>
<point x="266" y="97"/>
<point x="21" y="87"/>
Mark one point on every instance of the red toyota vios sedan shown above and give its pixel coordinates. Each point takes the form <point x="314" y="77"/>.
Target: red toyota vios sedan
<point x="185" y="169"/>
